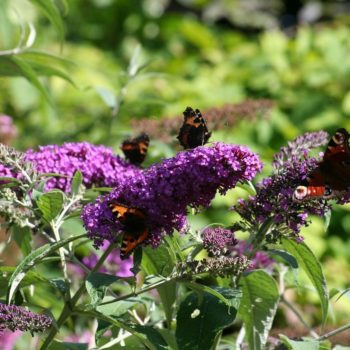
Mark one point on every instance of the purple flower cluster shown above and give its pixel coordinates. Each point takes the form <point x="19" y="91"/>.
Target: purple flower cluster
<point x="98" y="165"/>
<point x="7" y="130"/>
<point x="274" y="199"/>
<point x="164" y="190"/>
<point x="15" y="318"/>
<point x="218" y="240"/>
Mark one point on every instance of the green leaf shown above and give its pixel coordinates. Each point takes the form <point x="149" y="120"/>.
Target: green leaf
<point x="23" y="238"/>
<point x="118" y="308"/>
<point x="305" y="344"/>
<point x="50" y="204"/>
<point x="258" y="306"/>
<point x="28" y="72"/>
<point x="202" y="317"/>
<point x="308" y="261"/>
<point x="30" y="278"/>
<point x="152" y="335"/>
<point x="108" y="96"/>
<point x="202" y="288"/>
<point x="58" y="345"/>
<point x="285" y="256"/>
<point x="52" y="13"/>
<point x="97" y="284"/>
<point x="127" y="326"/>
<point x="160" y="261"/>
<point x="76" y="183"/>
<point x="31" y="260"/>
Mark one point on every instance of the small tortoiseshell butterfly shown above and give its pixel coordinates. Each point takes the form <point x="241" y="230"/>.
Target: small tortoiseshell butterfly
<point x="134" y="222"/>
<point x="332" y="175"/>
<point x="194" y="131"/>
<point x="135" y="150"/>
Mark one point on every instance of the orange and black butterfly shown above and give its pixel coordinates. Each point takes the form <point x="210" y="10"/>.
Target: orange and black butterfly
<point x="135" y="150"/>
<point x="134" y="224"/>
<point x="332" y="175"/>
<point x="194" y="131"/>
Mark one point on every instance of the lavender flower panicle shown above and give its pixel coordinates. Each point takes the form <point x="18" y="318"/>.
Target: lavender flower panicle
<point x="164" y="190"/>
<point x="98" y="165"/>
<point x="14" y="318"/>
<point x="299" y="147"/>
<point x="274" y="199"/>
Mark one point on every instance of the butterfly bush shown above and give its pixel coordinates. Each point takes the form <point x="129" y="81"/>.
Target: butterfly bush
<point x="274" y="199"/>
<point x="15" y="318"/>
<point x="98" y="165"/>
<point x="166" y="189"/>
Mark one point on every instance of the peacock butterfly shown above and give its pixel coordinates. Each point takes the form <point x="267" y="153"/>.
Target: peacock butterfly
<point x="331" y="178"/>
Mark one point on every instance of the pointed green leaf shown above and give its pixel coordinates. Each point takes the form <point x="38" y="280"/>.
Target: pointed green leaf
<point x="31" y="260"/>
<point x="304" y="344"/>
<point x="308" y="261"/>
<point x="258" y="306"/>
<point x="201" y="317"/>
<point x="50" y="204"/>
<point x="28" y="72"/>
<point x="76" y="183"/>
<point x="97" y="284"/>
<point x="23" y="238"/>
<point x="51" y="11"/>
<point x="160" y="262"/>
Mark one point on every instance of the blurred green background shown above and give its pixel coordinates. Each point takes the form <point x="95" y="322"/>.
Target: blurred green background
<point x="118" y="61"/>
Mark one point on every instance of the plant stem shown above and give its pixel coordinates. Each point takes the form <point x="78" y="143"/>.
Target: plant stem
<point x="336" y="331"/>
<point x="133" y="294"/>
<point x="300" y="318"/>
<point x="68" y="307"/>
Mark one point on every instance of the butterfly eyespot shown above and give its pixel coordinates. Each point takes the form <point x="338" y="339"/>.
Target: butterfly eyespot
<point x="338" y="138"/>
<point x="300" y="192"/>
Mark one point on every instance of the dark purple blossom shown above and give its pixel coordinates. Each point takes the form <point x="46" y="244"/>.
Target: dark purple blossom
<point x="166" y="189"/>
<point x="15" y="318"/>
<point x="218" y="240"/>
<point x="274" y="200"/>
<point x="98" y="165"/>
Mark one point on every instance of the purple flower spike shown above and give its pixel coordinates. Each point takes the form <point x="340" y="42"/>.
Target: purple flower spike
<point x="274" y="199"/>
<point x="164" y="191"/>
<point x="98" y="165"/>
<point x="15" y="318"/>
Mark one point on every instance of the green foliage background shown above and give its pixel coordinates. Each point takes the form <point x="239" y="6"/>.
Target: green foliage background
<point x="184" y="60"/>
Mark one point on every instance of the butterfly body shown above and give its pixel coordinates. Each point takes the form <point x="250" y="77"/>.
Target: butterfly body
<point x="194" y="131"/>
<point x="332" y="175"/>
<point x="135" y="150"/>
<point x="134" y="224"/>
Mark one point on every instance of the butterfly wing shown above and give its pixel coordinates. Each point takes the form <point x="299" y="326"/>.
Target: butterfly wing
<point x="194" y="131"/>
<point x="333" y="172"/>
<point x="134" y="222"/>
<point x="135" y="150"/>
<point x="130" y="242"/>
